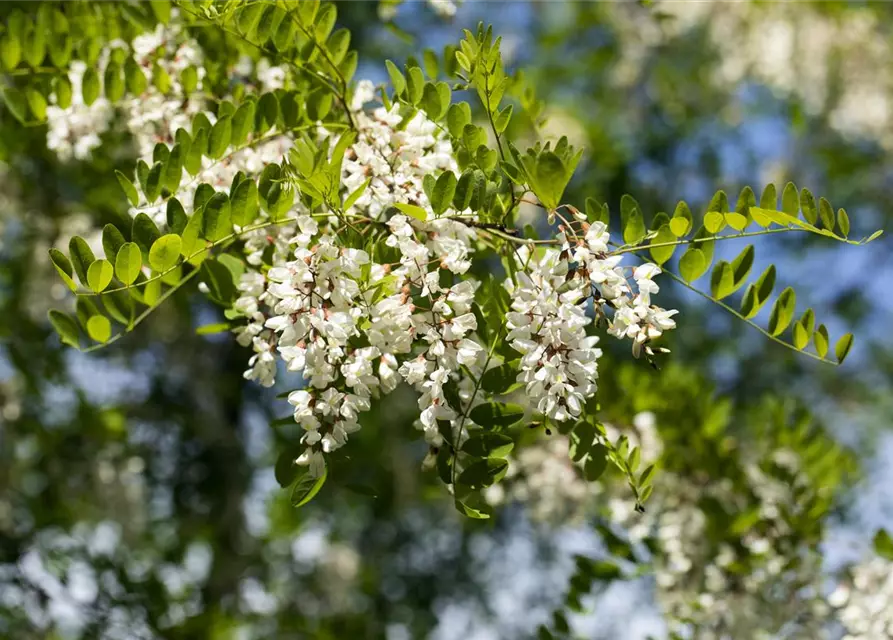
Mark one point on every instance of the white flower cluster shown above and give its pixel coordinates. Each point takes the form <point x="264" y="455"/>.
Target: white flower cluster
<point x="865" y="608"/>
<point x="548" y="321"/>
<point x="73" y="132"/>
<point x="349" y="324"/>
<point x="152" y="117"/>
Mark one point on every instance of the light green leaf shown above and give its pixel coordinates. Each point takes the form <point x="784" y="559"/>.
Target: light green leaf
<point x="843" y="222"/>
<point x="821" y="341"/>
<point x="90" y="86"/>
<point x="356" y="195"/>
<point x="470" y="512"/>
<point x="808" y="207"/>
<point x="412" y="210"/>
<point x="722" y="280"/>
<point x="165" y="252"/>
<point x="242" y="123"/>
<point x="843" y="346"/>
<point x="173" y="169"/>
<point x="99" y="328"/>
<point x="219" y="139"/>
<point x="99" y="275"/>
<point x="307" y="487"/>
<point x="681" y="222"/>
<point x="63" y="268"/>
<point x="664" y="236"/>
<point x="790" y="200"/>
<point x="714" y="221"/>
<point x="736" y="220"/>
<point x="128" y="263"/>
<point x="631" y="220"/>
<point x="693" y="264"/>
<point x="128" y="188"/>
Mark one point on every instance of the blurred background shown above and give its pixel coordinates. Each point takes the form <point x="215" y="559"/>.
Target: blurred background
<point x="137" y="492"/>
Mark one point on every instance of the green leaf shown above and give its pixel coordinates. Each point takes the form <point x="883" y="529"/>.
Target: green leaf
<point x="134" y="77"/>
<point x="144" y="234"/>
<point x="65" y="327"/>
<point x="722" y="280"/>
<point x="488" y="445"/>
<point x="219" y="139"/>
<point x="631" y="220"/>
<point x="843" y="346"/>
<point x="173" y="169"/>
<point x="165" y="252"/>
<point x="483" y="473"/>
<point x="501" y="379"/>
<point x="769" y="198"/>
<point x="444" y="190"/>
<point x="217" y="327"/>
<point x="664" y="236"/>
<point x="808" y="207"/>
<point x="458" y="115"/>
<point x="242" y="123"/>
<point x="37" y="103"/>
<point x="128" y="263"/>
<point x="90" y="86"/>
<point x="826" y="211"/>
<point x="714" y="221"/>
<point x="63" y="267"/>
<point x="843" y="222"/>
<point x="502" y="119"/>
<point x="412" y="210"/>
<point x="692" y="264"/>
<point x="267" y="112"/>
<point x="821" y="341"/>
<point x="286" y="470"/>
<point x="114" y="82"/>
<point x="193" y="160"/>
<point x="790" y="200"/>
<point x="495" y="415"/>
<point x="758" y="294"/>
<point x="81" y="257"/>
<point x="219" y="280"/>
<point x="99" y="328"/>
<point x="470" y="512"/>
<point x="596" y="463"/>
<point x="415" y="85"/>
<point x="398" y="81"/>
<point x="597" y="212"/>
<point x="244" y="203"/>
<point x="128" y="188"/>
<point x="883" y="544"/>
<point x="800" y="335"/>
<point x="15" y="102"/>
<point x="356" y="195"/>
<point x="782" y="311"/>
<point x="119" y="305"/>
<point x="681" y="222"/>
<point x="176" y="216"/>
<point x="99" y="275"/>
<point x="153" y="182"/>
<point x="307" y="487"/>
<point x="736" y="220"/>
<point x="216" y="217"/>
<point x="741" y="266"/>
